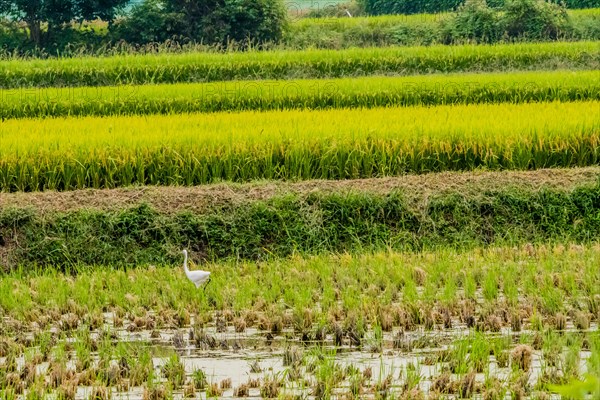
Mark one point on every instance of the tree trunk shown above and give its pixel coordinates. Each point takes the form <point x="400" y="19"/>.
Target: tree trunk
<point x="35" y="32"/>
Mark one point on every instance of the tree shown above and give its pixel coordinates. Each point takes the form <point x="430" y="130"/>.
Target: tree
<point x="535" y="19"/>
<point x="55" y="14"/>
<point x="475" y="22"/>
<point x="206" y="21"/>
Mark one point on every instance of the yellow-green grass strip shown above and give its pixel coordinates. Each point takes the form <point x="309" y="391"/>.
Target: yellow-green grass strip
<point x="191" y="149"/>
<point x="367" y="92"/>
<point x="208" y="67"/>
<point x="385" y="21"/>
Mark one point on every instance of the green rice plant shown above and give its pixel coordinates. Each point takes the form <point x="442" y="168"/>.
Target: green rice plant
<point x="412" y="376"/>
<point x="500" y="349"/>
<point x="141" y="366"/>
<point x="366" y="92"/>
<point x="287" y="64"/>
<point x="479" y="356"/>
<point x="191" y="149"/>
<point x="490" y="286"/>
<point x="470" y="287"/>
<point x="174" y="371"/>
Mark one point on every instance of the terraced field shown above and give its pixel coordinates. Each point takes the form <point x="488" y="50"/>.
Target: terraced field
<point x="402" y="223"/>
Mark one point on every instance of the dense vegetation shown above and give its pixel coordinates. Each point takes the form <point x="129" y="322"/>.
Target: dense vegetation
<point x="207" y="67"/>
<point x="427" y="29"/>
<point x="311" y="223"/>
<point x="232" y="24"/>
<point x="383" y="223"/>
<point x="75" y="153"/>
<point x="367" y="92"/>
<point x="378" y="7"/>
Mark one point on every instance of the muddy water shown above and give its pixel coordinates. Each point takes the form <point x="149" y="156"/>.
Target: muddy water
<point x="234" y="353"/>
<point x="237" y="352"/>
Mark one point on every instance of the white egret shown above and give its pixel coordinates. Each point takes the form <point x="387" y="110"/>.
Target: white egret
<point x="197" y="277"/>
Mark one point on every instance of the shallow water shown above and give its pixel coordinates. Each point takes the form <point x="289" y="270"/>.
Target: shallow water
<point x="251" y="346"/>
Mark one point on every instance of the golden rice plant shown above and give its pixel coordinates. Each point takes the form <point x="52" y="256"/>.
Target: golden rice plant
<point x="190" y="149"/>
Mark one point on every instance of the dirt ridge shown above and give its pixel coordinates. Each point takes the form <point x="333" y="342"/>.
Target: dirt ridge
<point x="177" y="198"/>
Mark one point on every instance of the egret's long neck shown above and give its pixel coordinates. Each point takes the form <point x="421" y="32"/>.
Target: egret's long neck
<point x="185" y="260"/>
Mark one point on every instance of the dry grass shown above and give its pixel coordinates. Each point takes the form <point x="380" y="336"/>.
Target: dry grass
<point x="173" y="199"/>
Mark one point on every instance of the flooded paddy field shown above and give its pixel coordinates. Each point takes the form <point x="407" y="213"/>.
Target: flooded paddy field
<point x="501" y="323"/>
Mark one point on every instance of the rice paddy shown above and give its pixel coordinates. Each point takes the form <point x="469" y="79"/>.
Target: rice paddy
<point x="190" y="149"/>
<point x="289" y="64"/>
<point x="391" y="223"/>
<point x="497" y="321"/>
<point x="367" y="92"/>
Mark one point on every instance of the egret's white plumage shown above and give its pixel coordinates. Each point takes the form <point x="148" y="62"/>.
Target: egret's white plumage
<point x="197" y="277"/>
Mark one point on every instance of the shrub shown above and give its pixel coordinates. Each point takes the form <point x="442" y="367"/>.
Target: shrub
<point x="380" y="7"/>
<point x="11" y="37"/>
<point x="474" y="22"/>
<point x="148" y="22"/>
<point x="534" y="19"/>
<point x="355" y="9"/>
<point x="216" y="22"/>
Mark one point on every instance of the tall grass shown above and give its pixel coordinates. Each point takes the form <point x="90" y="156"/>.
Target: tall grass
<point x="366" y="92"/>
<point x="403" y="30"/>
<point x="310" y="222"/>
<point x="190" y="149"/>
<point x="284" y="64"/>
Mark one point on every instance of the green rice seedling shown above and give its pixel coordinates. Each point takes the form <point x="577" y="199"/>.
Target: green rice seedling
<point x="570" y="365"/>
<point x="9" y="394"/>
<point x="141" y="366"/>
<point x="327" y="372"/>
<point x="199" y="379"/>
<point x="479" y="356"/>
<point x="411" y="376"/>
<point x="470" y="287"/>
<point x="459" y="356"/>
<point x="536" y="322"/>
<point x="500" y="349"/>
<point x="174" y="371"/>
<point x="490" y="286"/>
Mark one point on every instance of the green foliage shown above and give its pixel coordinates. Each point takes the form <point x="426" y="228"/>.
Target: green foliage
<point x="423" y="29"/>
<point x="148" y="22"/>
<point x="218" y="22"/>
<point x="580" y="390"/>
<point x="55" y="15"/>
<point x="474" y="22"/>
<point x="339" y="10"/>
<point x="534" y="19"/>
<point x="310" y="223"/>
<point x="11" y="37"/>
<point x="519" y="20"/>
<point x="379" y="7"/>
